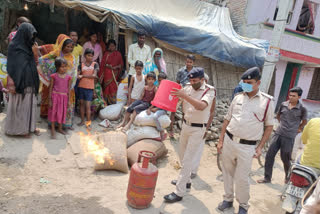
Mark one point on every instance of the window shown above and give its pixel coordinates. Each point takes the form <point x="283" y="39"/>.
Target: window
<point x="314" y="91"/>
<point x="306" y="19"/>
<point x="289" y="14"/>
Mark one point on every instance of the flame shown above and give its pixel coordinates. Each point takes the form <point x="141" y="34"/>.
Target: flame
<point x="95" y="148"/>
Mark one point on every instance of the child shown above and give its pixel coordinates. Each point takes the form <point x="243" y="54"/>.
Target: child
<point x="2" y="90"/>
<point x="98" y="101"/>
<point x="142" y="104"/>
<point x="157" y="111"/>
<point x="137" y="83"/>
<point x="88" y="73"/>
<point x="59" y="91"/>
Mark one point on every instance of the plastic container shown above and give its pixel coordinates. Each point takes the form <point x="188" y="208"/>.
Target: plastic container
<point x="163" y="99"/>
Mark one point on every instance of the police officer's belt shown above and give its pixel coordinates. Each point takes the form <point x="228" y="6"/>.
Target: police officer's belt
<point x="242" y="141"/>
<point x="195" y="124"/>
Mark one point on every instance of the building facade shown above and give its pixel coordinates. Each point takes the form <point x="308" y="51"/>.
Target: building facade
<point x="299" y="63"/>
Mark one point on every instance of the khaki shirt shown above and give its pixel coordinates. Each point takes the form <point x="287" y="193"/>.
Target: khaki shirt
<point x="192" y="115"/>
<point x="243" y="122"/>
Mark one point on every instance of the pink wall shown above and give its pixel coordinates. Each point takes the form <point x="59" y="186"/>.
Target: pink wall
<point x="256" y="14"/>
<point x="281" y="69"/>
<point x="295" y="44"/>
<point x="305" y="80"/>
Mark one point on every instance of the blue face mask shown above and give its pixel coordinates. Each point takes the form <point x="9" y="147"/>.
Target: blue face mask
<point x="246" y="87"/>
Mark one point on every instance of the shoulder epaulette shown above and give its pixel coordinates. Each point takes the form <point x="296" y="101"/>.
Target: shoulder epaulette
<point x="267" y="95"/>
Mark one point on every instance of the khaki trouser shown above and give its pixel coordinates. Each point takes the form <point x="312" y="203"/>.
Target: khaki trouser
<point x="191" y="139"/>
<point x="236" y="166"/>
<point x="197" y="159"/>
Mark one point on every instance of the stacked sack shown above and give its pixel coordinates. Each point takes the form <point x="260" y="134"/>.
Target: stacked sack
<point x="144" y="136"/>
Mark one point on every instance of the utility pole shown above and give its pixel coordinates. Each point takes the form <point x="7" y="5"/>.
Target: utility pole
<point x="273" y="54"/>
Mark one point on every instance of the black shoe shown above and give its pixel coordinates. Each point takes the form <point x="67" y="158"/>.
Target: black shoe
<point x="242" y="210"/>
<point x="172" y="197"/>
<point x="174" y="182"/>
<point x="225" y="205"/>
<point x="193" y="175"/>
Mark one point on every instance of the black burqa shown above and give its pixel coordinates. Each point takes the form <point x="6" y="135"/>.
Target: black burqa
<point x="21" y="65"/>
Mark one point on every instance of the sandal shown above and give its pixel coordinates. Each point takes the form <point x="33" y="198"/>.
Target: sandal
<point x="263" y="181"/>
<point x="37" y="132"/>
<point x="171" y="134"/>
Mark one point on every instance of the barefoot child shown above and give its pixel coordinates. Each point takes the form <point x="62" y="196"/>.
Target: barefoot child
<point x="87" y="74"/>
<point x="142" y="104"/>
<point x="98" y="101"/>
<point x="157" y="111"/>
<point x="59" y="91"/>
<point x="137" y="83"/>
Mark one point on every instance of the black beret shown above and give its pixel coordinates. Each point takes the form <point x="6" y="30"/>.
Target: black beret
<point x="251" y="73"/>
<point x="196" y="72"/>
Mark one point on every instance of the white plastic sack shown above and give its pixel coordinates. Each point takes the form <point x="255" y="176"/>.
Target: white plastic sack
<point x="143" y="119"/>
<point x="122" y="93"/>
<point x="111" y="112"/>
<point x="137" y="133"/>
<point x="105" y="123"/>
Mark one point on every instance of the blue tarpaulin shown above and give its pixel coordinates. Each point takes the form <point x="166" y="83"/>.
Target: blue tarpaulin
<point x="195" y="26"/>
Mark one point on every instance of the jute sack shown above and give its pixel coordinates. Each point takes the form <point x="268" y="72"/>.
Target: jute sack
<point x="111" y="112"/>
<point x="115" y="143"/>
<point x="143" y="119"/>
<point x="154" y="146"/>
<point x="137" y="133"/>
<point x="122" y="93"/>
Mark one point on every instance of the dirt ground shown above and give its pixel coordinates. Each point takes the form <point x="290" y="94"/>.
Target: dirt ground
<point x="41" y="176"/>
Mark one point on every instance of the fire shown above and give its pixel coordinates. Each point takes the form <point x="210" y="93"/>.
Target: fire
<point x="88" y="126"/>
<point x="95" y="148"/>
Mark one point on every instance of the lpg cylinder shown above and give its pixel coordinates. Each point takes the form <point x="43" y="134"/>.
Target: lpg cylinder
<point x="142" y="181"/>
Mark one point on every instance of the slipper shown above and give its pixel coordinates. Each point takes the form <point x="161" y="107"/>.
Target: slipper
<point x="37" y="132"/>
<point x="263" y="181"/>
<point x="171" y="134"/>
<point x="164" y="136"/>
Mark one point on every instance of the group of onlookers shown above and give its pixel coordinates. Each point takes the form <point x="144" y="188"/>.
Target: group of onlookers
<point x="66" y="74"/>
<point x="93" y="71"/>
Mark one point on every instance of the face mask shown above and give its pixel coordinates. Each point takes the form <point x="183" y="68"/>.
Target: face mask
<point x="246" y="87"/>
<point x="196" y="86"/>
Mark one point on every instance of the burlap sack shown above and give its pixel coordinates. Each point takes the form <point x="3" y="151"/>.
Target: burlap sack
<point x="137" y="133"/>
<point x="116" y="143"/>
<point x="154" y="146"/>
<point x="143" y="119"/>
<point x="111" y="112"/>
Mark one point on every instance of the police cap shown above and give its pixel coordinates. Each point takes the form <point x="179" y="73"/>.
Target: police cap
<point x="196" y="72"/>
<point x="251" y="73"/>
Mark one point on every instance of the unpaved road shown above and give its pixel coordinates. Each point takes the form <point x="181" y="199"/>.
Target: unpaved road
<point x="66" y="189"/>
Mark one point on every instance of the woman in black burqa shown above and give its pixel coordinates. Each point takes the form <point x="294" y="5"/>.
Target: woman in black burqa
<point x="22" y="70"/>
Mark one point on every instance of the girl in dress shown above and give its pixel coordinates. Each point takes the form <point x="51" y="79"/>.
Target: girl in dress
<point x="59" y="92"/>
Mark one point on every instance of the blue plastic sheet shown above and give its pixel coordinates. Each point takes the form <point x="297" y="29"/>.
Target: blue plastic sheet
<point x="192" y="25"/>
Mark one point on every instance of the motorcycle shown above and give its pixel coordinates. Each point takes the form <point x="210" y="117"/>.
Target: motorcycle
<point x="301" y="179"/>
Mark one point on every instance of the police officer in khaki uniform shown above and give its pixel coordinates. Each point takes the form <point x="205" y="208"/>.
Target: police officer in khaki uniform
<point x="249" y="119"/>
<point x="197" y="99"/>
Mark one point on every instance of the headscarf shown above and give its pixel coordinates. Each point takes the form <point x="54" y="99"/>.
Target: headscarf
<point x="161" y="60"/>
<point x="151" y="65"/>
<point x="21" y="65"/>
<point x="46" y="62"/>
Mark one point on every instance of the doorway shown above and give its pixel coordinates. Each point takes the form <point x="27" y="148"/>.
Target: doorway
<point x="289" y="81"/>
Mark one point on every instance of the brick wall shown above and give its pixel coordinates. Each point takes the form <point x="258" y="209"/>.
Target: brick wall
<point x="238" y="14"/>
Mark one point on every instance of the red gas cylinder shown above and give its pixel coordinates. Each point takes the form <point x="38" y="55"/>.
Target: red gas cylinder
<point x="142" y="181"/>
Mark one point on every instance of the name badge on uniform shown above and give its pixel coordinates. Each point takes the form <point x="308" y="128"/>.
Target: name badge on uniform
<point x="239" y="104"/>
